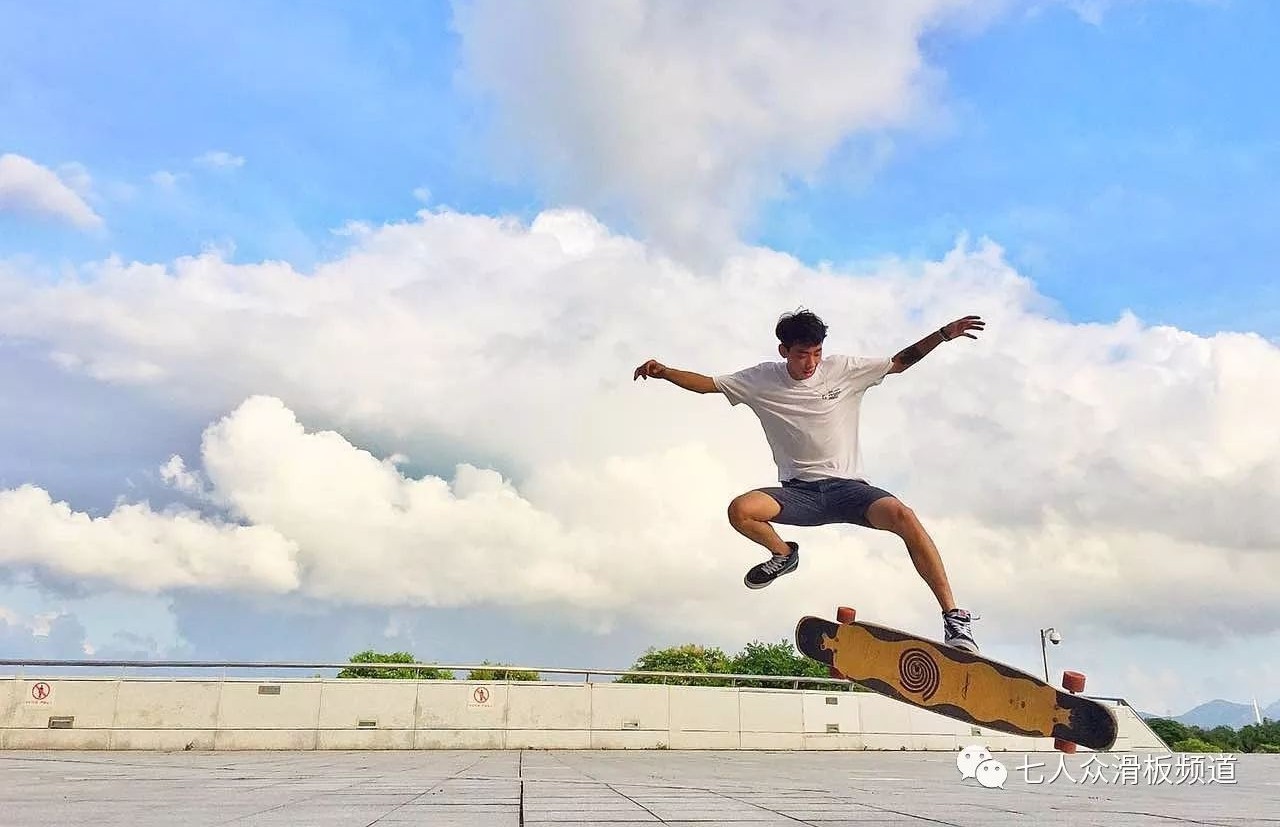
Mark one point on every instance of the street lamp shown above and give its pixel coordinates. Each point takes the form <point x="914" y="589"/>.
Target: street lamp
<point x="1051" y="635"/>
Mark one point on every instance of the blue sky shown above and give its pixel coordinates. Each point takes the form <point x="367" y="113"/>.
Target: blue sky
<point x="1130" y="163"/>
<point x="340" y="114"/>
<point x="1124" y="162"/>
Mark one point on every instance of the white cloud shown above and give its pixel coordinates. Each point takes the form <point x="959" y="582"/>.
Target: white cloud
<point x="1094" y="12"/>
<point x="684" y="116"/>
<point x="76" y="176"/>
<point x="41" y="623"/>
<point x="42" y="635"/>
<point x="175" y="473"/>
<point x="444" y="540"/>
<point x="1121" y="473"/>
<point x="29" y="188"/>
<point x="166" y="180"/>
<point x="138" y="548"/>
<point x="219" y="159"/>
<point x="1090" y="11"/>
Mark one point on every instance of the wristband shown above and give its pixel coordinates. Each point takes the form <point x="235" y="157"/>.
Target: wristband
<point x="942" y="331"/>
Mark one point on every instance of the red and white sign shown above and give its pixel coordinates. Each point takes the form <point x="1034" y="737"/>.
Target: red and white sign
<point x="41" y="693"/>
<point x="481" y="698"/>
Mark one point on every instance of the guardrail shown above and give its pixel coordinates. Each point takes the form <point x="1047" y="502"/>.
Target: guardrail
<point x="201" y="703"/>
<point x="795" y="681"/>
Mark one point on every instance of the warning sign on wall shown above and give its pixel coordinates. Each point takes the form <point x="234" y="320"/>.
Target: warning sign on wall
<point x="41" y="694"/>
<point x="481" y="698"/>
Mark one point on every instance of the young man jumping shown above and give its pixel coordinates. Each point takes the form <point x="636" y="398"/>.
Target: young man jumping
<point x="808" y="406"/>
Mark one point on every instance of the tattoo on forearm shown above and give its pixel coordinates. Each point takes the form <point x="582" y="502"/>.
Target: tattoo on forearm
<point x="910" y="355"/>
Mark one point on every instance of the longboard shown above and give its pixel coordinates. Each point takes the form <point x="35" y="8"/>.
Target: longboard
<point x="956" y="683"/>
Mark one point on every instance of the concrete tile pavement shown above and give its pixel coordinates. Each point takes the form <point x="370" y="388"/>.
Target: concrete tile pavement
<point x="533" y="787"/>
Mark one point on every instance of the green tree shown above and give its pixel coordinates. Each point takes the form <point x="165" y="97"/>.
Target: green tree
<point x="687" y="658"/>
<point x="1264" y="737"/>
<point x="1255" y="737"/>
<point x="369" y="656"/>
<point x="1224" y="737"/>
<point x="1169" y="730"/>
<point x="780" y="659"/>
<point x="494" y="674"/>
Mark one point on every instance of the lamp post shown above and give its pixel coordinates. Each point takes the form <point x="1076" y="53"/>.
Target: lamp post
<point x="1051" y="635"/>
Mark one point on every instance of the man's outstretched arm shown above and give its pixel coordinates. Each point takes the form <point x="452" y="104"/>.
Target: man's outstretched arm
<point x="688" y="380"/>
<point x="908" y="356"/>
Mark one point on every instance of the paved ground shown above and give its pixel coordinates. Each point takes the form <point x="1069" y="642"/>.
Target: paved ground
<point x="502" y="789"/>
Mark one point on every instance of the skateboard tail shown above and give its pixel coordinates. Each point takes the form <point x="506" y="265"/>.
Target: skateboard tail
<point x="810" y="632"/>
<point x="1092" y="725"/>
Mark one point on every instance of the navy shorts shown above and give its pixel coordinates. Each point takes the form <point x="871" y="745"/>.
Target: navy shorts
<point x="821" y="502"/>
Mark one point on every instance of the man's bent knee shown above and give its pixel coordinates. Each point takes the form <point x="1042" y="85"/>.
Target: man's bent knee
<point x="891" y="514"/>
<point x="754" y="505"/>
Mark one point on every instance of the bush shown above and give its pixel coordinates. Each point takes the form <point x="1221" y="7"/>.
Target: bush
<point x="779" y="659"/>
<point x="497" y="674"/>
<point x="369" y="656"/>
<point x="756" y="658"/>
<point x="687" y="658"/>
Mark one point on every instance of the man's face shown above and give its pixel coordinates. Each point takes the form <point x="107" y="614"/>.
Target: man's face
<point x="802" y="360"/>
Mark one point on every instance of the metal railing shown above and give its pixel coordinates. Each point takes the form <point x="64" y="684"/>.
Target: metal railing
<point x="795" y="681"/>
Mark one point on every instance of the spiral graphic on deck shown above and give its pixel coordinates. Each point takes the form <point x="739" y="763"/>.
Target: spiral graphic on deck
<point x="919" y="672"/>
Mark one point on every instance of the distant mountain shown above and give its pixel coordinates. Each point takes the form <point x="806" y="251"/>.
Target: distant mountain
<point x="1218" y="713"/>
<point x="1222" y="713"/>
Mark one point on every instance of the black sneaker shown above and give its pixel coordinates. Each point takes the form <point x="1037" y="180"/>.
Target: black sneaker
<point x="777" y="565"/>
<point x="957" y="630"/>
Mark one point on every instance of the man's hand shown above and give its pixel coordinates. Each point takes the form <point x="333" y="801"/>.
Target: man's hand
<point x="652" y="368"/>
<point x="961" y="327"/>
<point x="908" y="356"/>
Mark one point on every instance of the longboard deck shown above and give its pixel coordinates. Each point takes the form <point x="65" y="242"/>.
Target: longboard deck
<point x="955" y="683"/>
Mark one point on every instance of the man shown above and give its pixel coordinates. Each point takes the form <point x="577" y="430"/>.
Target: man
<point x="808" y="406"/>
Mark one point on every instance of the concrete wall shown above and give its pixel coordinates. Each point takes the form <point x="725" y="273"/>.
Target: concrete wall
<point x="308" y="714"/>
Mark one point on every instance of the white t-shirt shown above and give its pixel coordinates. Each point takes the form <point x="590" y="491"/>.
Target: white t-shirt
<point x="811" y="424"/>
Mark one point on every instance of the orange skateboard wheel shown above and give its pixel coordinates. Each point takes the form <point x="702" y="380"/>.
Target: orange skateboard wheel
<point x="844" y="614"/>
<point x="1064" y="746"/>
<point x="1073" y="682"/>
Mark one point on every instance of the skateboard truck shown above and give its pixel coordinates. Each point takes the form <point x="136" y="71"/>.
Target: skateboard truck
<point x="844" y="614"/>
<point x="1073" y="682"/>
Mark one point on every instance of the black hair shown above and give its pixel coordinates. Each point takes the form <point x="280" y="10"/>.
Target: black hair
<point x="800" y="328"/>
